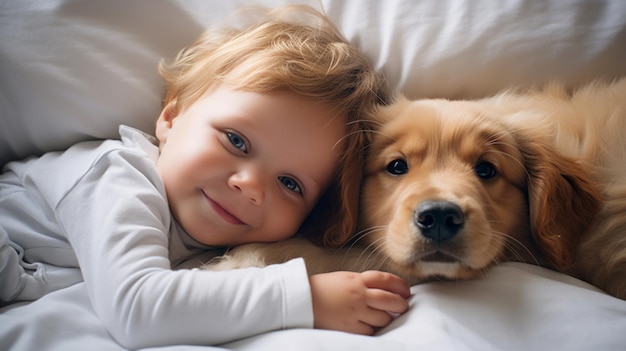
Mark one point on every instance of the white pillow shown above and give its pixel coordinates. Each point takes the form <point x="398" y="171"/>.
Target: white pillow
<point x="72" y="70"/>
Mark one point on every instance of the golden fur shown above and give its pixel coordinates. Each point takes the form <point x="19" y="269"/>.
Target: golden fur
<point x="453" y="187"/>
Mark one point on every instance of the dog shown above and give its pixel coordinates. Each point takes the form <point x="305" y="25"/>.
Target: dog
<point x="452" y="188"/>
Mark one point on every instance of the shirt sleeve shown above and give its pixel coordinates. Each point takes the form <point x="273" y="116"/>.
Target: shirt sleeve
<point x="117" y="220"/>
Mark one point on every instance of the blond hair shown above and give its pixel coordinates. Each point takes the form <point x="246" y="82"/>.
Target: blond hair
<point x="294" y="48"/>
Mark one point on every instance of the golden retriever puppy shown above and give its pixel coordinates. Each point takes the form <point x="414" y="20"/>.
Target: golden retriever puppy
<point x="453" y="187"/>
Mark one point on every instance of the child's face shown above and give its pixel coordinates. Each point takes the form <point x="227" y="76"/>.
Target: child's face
<point x="243" y="167"/>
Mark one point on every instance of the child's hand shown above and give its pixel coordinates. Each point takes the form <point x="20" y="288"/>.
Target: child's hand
<point x="357" y="302"/>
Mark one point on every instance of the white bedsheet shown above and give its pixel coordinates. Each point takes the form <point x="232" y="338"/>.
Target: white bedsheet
<point x="514" y="307"/>
<point x="72" y="70"/>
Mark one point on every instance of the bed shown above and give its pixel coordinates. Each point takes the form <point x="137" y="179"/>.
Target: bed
<point x="73" y="70"/>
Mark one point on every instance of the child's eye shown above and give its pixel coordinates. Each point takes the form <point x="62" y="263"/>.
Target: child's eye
<point x="237" y="142"/>
<point x="290" y="184"/>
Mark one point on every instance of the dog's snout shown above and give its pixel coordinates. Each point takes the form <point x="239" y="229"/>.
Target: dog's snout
<point x="439" y="220"/>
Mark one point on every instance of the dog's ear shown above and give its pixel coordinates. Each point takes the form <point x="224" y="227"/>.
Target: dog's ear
<point x="340" y="206"/>
<point x="343" y="218"/>
<point x="338" y="209"/>
<point x="563" y="201"/>
<point x="333" y="220"/>
<point x="335" y="214"/>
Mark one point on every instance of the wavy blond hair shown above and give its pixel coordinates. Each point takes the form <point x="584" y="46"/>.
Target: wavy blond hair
<point x="294" y="48"/>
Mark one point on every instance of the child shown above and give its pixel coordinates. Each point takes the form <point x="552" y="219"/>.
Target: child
<point x="257" y="126"/>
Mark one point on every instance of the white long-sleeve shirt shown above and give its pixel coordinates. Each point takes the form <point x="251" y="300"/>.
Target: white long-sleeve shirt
<point x="98" y="213"/>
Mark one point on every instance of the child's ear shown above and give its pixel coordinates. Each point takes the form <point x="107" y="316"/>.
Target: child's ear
<point x="165" y="121"/>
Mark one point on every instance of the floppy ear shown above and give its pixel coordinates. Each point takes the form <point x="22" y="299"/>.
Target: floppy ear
<point x="332" y="222"/>
<point x="344" y="219"/>
<point x="336" y="212"/>
<point x="563" y="201"/>
<point x="338" y="209"/>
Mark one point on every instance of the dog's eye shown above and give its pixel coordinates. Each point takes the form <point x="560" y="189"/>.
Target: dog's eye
<point x="397" y="167"/>
<point x="485" y="170"/>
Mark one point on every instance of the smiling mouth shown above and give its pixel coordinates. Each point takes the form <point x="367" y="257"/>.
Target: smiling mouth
<point x="222" y="212"/>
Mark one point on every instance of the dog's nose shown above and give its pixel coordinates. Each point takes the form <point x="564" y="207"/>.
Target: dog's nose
<point x="439" y="220"/>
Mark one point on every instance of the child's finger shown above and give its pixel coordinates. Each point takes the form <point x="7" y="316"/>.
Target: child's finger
<point x="386" y="281"/>
<point x="386" y="301"/>
<point x="362" y="328"/>
<point x="376" y="318"/>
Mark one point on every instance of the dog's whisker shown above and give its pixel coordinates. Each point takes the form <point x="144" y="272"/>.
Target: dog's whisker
<point x="372" y="123"/>
<point x="375" y="247"/>
<point x="363" y="233"/>
<point x="348" y="135"/>
<point x="346" y="249"/>
<point x="513" y="244"/>
<point x="371" y="250"/>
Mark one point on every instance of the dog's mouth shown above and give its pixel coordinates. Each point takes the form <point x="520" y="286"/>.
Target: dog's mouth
<point x="439" y="257"/>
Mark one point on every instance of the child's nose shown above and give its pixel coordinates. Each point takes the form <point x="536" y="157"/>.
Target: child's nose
<point x="250" y="183"/>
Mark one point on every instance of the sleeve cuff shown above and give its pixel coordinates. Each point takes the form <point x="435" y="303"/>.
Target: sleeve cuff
<point x="298" y="305"/>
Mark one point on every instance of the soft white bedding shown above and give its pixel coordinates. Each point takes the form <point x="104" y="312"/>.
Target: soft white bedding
<point x="514" y="307"/>
<point x="75" y="69"/>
